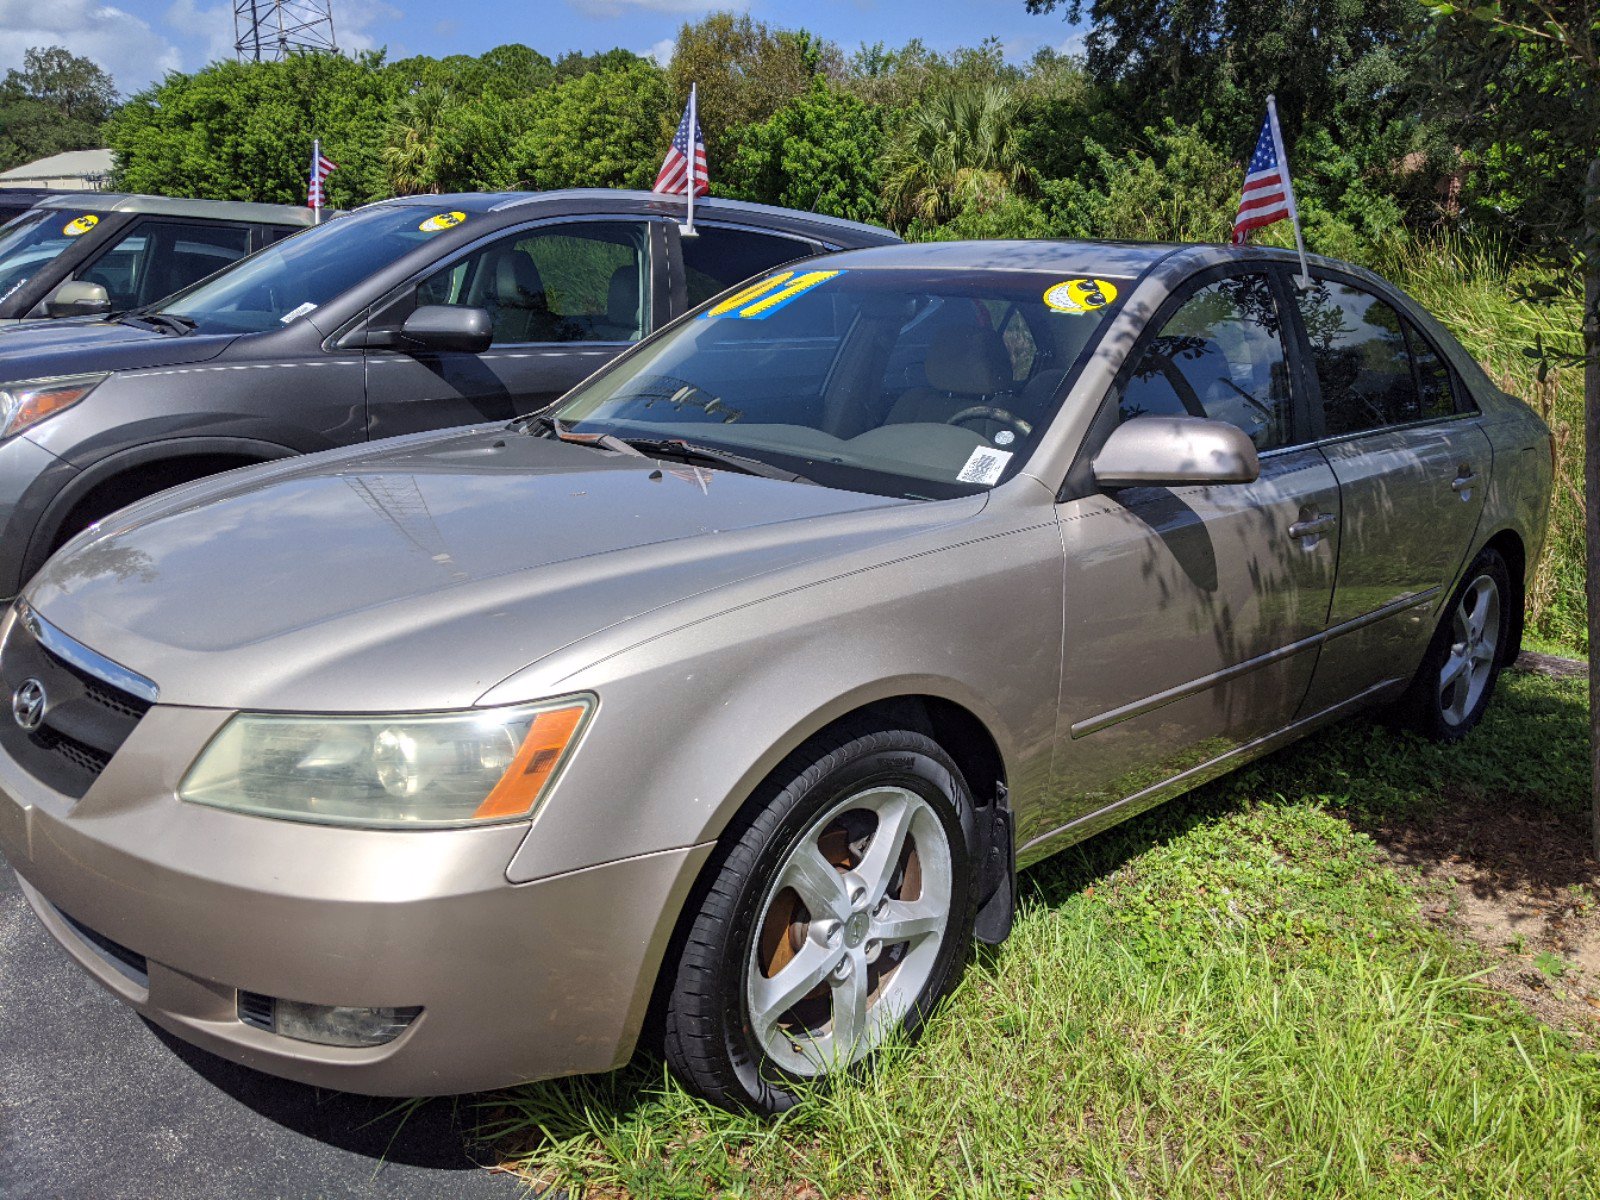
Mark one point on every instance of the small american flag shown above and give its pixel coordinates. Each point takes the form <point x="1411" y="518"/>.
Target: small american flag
<point x="321" y="167"/>
<point x="679" y="168"/>
<point x="1268" y="196"/>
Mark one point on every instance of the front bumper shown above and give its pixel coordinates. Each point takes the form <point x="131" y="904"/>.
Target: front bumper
<point x="516" y="982"/>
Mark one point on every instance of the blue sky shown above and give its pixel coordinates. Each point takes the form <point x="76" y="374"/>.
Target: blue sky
<point x="138" y="40"/>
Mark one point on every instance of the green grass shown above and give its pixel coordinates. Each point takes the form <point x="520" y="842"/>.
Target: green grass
<point x="1232" y="996"/>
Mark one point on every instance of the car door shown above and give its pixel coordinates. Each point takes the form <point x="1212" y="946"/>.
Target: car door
<point x="565" y="297"/>
<point x="1413" y="466"/>
<point x="1192" y="613"/>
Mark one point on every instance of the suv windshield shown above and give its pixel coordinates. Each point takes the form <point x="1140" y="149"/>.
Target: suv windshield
<point x="899" y="382"/>
<point x="292" y="277"/>
<point x="33" y="239"/>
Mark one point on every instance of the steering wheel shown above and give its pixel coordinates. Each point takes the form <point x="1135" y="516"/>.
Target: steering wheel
<point x="991" y="412"/>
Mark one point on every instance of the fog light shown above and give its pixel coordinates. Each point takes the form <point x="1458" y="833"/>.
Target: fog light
<point x="325" y="1024"/>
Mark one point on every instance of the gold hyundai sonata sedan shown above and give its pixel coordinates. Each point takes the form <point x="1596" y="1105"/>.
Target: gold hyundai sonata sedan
<point x="738" y="685"/>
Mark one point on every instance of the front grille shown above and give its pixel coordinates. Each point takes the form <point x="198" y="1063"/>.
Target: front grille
<point x="258" y="1010"/>
<point x="86" y="717"/>
<point x="127" y="962"/>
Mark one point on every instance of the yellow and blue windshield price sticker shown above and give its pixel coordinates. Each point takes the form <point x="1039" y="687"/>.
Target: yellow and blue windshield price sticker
<point x="760" y="300"/>
<point x="439" y="221"/>
<point x="80" y="225"/>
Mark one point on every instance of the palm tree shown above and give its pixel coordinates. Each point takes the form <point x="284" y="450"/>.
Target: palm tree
<point x="959" y="148"/>
<point x="410" y="150"/>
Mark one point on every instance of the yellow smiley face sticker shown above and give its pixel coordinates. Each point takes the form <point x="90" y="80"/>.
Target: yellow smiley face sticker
<point x="440" y="221"/>
<point x="1080" y="295"/>
<point x="80" y="225"/>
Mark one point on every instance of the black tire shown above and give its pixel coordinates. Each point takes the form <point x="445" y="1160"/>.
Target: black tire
<point x="1425" y="707"/>
<point x="709" y="1037"/>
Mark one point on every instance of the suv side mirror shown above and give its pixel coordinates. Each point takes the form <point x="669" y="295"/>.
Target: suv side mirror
<point x="1175" y="452"/>
<point x="78" y="298"/>
<point x="447" y="327"/>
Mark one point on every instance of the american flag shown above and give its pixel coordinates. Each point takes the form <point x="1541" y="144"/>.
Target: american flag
<point x="321" y="167"/>
<point x="675" y="171"/>
<point x="1267" y="196"/>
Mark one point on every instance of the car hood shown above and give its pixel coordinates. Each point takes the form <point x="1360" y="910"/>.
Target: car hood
<point x="419" y="576"/>
<point x="35" y="349"/>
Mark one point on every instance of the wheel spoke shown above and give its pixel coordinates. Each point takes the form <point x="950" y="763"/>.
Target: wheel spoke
<point x="850" y="1011"/>
<point x="1453" y="667"/>
<point x="878" y="866"/>
<point x="817" y="881"/>
<point x="771" y="998"/>
<point x="906" y="922"/>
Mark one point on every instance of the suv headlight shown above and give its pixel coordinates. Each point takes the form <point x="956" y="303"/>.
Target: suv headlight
<point x="402" y="771"/>
<point x="28" y="403"/>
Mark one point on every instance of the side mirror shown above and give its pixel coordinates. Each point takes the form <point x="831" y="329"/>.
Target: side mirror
<point x="447" y="327"/>
<point x="1175" y="452"/>
<point x="78" y="298"/>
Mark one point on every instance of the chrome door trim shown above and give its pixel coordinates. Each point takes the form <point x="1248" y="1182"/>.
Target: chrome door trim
<point x="1182" y="691"/>
<point x="1131" y="806"/>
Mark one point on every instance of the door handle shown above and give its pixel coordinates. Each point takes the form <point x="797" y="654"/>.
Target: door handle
<point x="1464" y="480"/>
<point x="1313" y="526"/>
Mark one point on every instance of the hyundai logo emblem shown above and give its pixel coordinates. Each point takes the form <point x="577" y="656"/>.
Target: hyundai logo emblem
<point x="28" y="703"/>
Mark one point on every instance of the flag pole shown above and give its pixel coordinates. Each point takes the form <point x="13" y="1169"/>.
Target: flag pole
<point x="1288" y="189"/>
<point x="316" y="184"/>
<point x="694" y="153"/>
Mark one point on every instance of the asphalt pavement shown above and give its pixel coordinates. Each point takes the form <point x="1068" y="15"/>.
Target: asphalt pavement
<point x="96" y="1104"/>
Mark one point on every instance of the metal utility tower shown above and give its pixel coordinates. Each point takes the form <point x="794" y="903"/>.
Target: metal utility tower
<point x="274" y="29"/>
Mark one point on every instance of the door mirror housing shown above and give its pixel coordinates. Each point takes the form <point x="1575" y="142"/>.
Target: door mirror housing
<point x="78" y="298"/>
<point x="447" y="327"/>
<point x="1175" y="452"/>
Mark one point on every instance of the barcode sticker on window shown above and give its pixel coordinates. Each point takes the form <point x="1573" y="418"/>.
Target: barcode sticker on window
<point x="985" y="466"/>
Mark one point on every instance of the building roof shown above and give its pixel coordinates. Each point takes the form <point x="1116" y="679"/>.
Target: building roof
<point x="73" y="164"/>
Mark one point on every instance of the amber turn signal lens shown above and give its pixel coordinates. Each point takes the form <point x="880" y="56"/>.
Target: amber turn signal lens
<point x="25" y="404"/>
<point x="541" y="752"/>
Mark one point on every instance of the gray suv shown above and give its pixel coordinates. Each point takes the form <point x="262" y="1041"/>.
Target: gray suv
<point x="101" y="252"/>
<point x="409" y="315"/>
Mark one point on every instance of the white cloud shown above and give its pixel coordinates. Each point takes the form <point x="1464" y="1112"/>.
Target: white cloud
<point x="122" y="43"/>
<point x="662" y="51"/>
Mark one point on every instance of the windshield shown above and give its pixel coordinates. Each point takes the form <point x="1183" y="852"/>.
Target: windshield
<point x="33" y="239"/>
<point x="301" y="273"/>
<point x="898" y="382"/>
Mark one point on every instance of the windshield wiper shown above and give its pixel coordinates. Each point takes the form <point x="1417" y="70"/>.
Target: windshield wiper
<point x="674" y="450"/>
<point x="169" y="322"/>
<point x="557" y="428"/>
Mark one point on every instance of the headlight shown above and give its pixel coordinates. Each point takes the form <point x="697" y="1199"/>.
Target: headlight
<point x="401" y="771"/>
<point x="25" y="404"/>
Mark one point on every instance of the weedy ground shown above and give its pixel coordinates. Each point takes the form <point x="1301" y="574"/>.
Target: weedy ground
<point x="1362" y="967"/>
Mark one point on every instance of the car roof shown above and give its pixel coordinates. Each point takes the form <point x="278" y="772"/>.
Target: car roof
<point x="654" y="204"/>
<point x="168" y="206"/>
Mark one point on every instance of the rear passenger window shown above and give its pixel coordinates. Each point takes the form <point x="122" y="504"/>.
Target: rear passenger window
<point x="1220" y="356"/>
<point x="1358" y="347"/>
<point x="1434" y="381"/>
<point x="716" y="259"/>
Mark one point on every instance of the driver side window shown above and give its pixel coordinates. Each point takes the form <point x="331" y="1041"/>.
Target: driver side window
<point x="579" y="281"/>
<point x="1219" y="356"/>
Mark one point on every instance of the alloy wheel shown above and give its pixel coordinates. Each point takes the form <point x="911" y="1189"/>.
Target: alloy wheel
<point x="850" y="930"/>
<point x="1473" y="648"/>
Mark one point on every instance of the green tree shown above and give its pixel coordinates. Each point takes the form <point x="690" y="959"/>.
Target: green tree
<point x="411" y="150"/>
<point x="819" y="152"/>
<point x="602" y="129"/>
<point x="243" y="131"/>
<point x="745" y="72"/>
<point x="55" y="102"/>
<point x="960" y="149"/>
<point x="1536" y="67"/>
